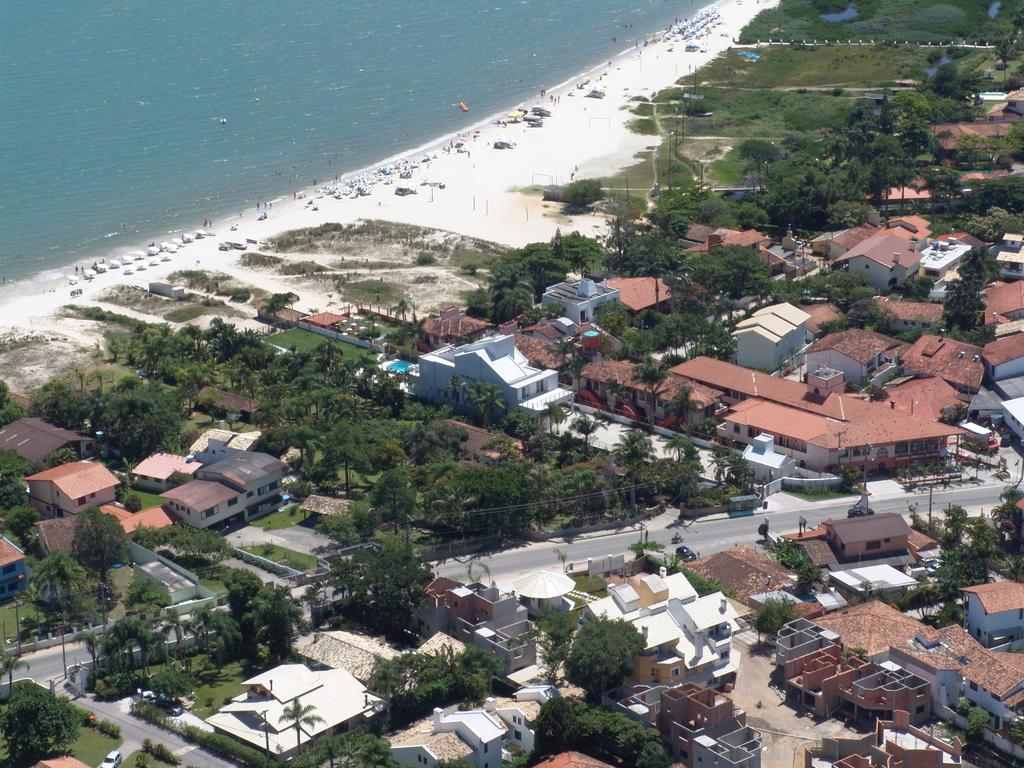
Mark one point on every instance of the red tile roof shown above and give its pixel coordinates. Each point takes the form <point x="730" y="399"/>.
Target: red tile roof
<point x="9" y="553"/>
<point x="66" y="761"/>
<point x="744" y="571"/>
<point x="200" y="494"/>
<point x="912" y="311"/>
<point x="542" y="354"/>
<point x="77" y="478"/>
<point x="623" y="372"/>
<point x="954" y="361"/>
<point x="571" y="760"/>
<point x="637" y="293"/>
<point x="998" y="596"/>
<point x="151" y="517"/>
<point x="820" y="315"/>
<point x="926" y="397"/>
<point x="454" y="326"/>
<point x="883" y="247"/>
<point x="947" y="133"/>
<point x="859" y="345"/>
<point x="1004" y="349"/>
<point x="855" y="236"/>
<point x="873" y="626"/>
<point x="57" y="535"/>
<point x="324" y="319"/>
<point x="161" y="466"/>
<point x="1002" y="300"/>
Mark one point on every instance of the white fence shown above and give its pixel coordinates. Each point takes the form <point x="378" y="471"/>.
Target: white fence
<point x="335" y="335"/>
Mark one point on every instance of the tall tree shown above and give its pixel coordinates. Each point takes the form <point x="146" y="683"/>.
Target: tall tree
<point x="100" y="541"/>
<point x="36" y="724"/>
<point x="602" y="655"/>
<point x="299" y="716"/>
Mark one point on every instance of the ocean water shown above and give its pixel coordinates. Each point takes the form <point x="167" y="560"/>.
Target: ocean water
<point x="109" y="111"/>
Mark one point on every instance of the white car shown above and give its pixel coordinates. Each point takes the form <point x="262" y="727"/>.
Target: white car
<point x="112" y="760"/>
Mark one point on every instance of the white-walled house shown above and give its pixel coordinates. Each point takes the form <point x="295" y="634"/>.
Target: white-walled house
<point x="770" y="336"/>
<point x="475" y="736"/>
<point x="1004" y="357"/>
<point x="520" y="713"/>
<point x="995" y="612"/>
<point x="448" y="374"/>
<point x="861" y="355"/>
<point x="580" y="300"/>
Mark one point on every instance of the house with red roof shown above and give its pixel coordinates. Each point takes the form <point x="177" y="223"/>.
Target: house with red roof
<point x="154" y="473"/>
<point x="452" y="326"/>
<point x="1004" y="357"/>
<point x="639" y="293"/>
<point x="956" y="362"/>
<point x="1004" y="302"/>
<point x="907" y="315"/>
<point x="69" y="488"/>
<point x="887" y="259"/>
<point x="860" y="354"/>
<point x="995" y="612"/>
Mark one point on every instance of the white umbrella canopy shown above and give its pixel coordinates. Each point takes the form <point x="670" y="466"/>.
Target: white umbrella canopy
<point x="543" y="585"/>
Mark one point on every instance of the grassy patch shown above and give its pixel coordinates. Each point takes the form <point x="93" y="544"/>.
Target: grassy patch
<point x="120" y="580"/>
<point x="186" y="313"/>
<point x="132" y="760"/>
<point x="301" y="268"/>
<point x="215" y="689"/>
<point x="300" y="561"/>
<point x="91" y="746"/>
<point x="728" y="169"/>
<point x="768" y="114"/>
<point x="149" y="499"/>
<point x="645" y="126"/>
<point x="592" y="586"/>
<point x="914" y="20"/>
<point x="306" y="341"/>
<point x="818" y="495"/>
<point x="821" y="66"/>
<point x="282" y="518"/>
<point x="371" y="292"/>
<point x="259" y="260"/>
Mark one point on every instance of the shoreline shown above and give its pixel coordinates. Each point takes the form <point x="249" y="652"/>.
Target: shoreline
<point x="584" y="137"/>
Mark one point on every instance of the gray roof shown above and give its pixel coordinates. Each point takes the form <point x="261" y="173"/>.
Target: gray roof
<point x="170" y="578"/>
<point x="870" y="527"/>
<point x="34" y="439"/>
<point x="986" y="400"/>
<point x="200" y="494"/>
<point x="1010" y="389"/>
<point x="242" y="468"/>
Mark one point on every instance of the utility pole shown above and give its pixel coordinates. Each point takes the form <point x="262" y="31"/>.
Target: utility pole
<point x="17" y="625"/>
<point x="931" y="489"/>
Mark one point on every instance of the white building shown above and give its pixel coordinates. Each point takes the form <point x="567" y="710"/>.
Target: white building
<point x="995" y="612"/>
<point x="1010" y="256"/>
<point x="767" y="463"/>
<point x="520" y="713"/>
<point x="872" y="581"/>
<point x="862" y="356"/>
<point x="1013" y="415"/>
<point x="475" y="736"/>
<point x="770" y="336"/>
<point x="448" y="374"/>
<point x="941" y="256"/>
<point x="579" y="301"/>
<point x="256" y="717"/>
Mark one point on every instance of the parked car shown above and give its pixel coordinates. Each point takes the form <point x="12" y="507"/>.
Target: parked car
<point x="859" y="510"/>
<point x="683" y="552"/>
<point x="112" y="760"/>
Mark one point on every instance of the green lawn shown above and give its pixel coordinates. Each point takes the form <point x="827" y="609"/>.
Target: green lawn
<point x="149" y="499"/>
<point x="131" y="761"/>
<point x="8" y="619"/>
<point x="283" y="518"/>
<point x="819" y="495"/>
<point x="92" y="746"/>
<point x="215" y="688"/>
<point x="120" y="579"/>
<point x="306" y="341"/>
<point x="298" y="560"/>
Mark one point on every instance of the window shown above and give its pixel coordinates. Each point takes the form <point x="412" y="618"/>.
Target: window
<point x="675" y="671"/>
<point x="901" y="448"/>
<point x="249" y="495"/>
<point x="519" y="736"/>
<point x="485" y="748"/>
<point x="873" y="545"/>
<point x="736" y="428"/>
<point x="973" y="686"/>
<point x="232" y="502"/>
<point x="9" y="568"/>
<point x="80" y="502"/>
<point x="12" y="586"/>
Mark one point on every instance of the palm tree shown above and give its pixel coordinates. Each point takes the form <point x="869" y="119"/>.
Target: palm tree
<point x="681" y="405"/>
<point x="63" y="574"/>
<point x="93" y="644"/>
<point x="650" y="374"/>
<point x="299" y="715"/>
<point x="487" y="399"/>
<point x="9" y="663"/>
<point x="633" y="451"/>
<point x="476" y="568"/>
<point x="680" y="444"/>
<point x="1012" y="567"/>
<point x="555" y="415"/>
<point x="562" y="557"/>
<point x="400" y="308"/>
<point x="586" y="427"/>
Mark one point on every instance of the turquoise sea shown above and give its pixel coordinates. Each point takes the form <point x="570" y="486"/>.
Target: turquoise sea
<point x="109" y="111"/>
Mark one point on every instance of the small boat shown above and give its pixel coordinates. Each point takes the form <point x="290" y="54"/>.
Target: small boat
<point x="223" y="120"/>
<point x="463" y="106"/>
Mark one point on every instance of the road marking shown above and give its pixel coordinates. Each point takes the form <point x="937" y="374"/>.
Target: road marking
<point x="185" y="750"/>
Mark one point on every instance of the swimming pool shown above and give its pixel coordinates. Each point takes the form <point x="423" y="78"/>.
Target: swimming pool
<point x="398" y="366"/>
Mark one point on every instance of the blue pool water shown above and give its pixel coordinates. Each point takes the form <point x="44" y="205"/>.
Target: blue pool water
<point x="399" y="366"/>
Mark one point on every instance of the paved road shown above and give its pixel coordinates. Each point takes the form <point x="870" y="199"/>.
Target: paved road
<point x="135" y="731"/>
<point x="711" y="535"/>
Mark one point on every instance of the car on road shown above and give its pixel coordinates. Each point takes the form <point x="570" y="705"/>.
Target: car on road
<point x="172" y="708"/>
<point x="112" y="760"/>
<point x="683" y="552"/>
<point x="859" y="510"/>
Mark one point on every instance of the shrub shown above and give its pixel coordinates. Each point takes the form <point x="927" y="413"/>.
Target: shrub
<point x="108" y="728"/>
<point x="424" y="258"/>
<point x="239" y="295"/>
<point x="160" y="752"/>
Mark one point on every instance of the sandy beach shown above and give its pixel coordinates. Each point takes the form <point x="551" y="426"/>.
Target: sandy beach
<point x="584" y="137"/>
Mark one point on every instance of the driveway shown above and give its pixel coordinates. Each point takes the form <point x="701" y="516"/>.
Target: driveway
<point x="301" y="538"/>
<point x="135" y="731"/>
